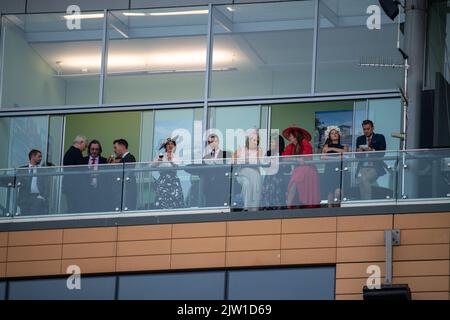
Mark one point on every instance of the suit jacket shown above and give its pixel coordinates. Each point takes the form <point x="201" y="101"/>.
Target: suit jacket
<point x="71" y="182"/>
<point x="128" y="158"/>
<point x="102" y="160"/>
<point x="222" y="155"/>
<point x="378" y="143"/>
<point x="43" y="184"/>
<point x="130" y="191"/>
<point x="73" y="157"/>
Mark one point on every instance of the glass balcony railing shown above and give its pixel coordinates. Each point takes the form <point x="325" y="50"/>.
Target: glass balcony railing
<point x="268" y="183"/>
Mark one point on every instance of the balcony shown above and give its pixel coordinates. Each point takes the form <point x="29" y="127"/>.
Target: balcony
<point x="273" y="184"/>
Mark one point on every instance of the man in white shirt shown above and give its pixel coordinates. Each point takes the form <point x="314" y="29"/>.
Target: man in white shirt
<point x="33" y="188"/>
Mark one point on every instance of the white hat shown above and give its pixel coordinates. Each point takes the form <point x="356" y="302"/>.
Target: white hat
<point x="331" y="128"/>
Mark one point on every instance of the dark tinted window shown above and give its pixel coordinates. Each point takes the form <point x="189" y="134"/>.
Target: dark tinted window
<point x="286" y="284"/>
<point x="2" y="290"/>
<point x="173" y="286"/>
<point x="99" y="288"/>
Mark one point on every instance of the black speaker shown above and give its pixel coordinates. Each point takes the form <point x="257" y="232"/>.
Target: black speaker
<point x="390" y="7"/>
<point x="388" y="292"/>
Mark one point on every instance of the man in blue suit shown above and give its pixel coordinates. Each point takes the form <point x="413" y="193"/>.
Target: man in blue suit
<point x="369" y="169"/>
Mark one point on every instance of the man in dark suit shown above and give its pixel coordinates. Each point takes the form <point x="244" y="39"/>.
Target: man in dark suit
<point x="214" y="183"/>
<point x="74" y="155"/>
<point x="73" y="183"/>
<point x="34" y="190"/>
<point x="369" y="169"/>
<point x="130" y="187"/>
<point x="98" y="183"/>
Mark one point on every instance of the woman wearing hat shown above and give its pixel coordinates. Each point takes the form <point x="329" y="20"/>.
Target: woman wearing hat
<point x="169" y="194"/>
<point x="303" y="189"/>
<point x="334" y="149"/>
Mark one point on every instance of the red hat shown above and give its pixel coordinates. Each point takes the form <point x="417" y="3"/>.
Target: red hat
<point x="306" y="135"/>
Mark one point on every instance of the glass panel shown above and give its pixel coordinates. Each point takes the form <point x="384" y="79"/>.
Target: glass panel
<point x="92" y="288"/>
<point x="315" y="117"/>
<point x="156" y="55"/>
<point x="161" y="185"/>
<point x="231" y="123"/>
<point x="438" y="42"/>
<point x="369" y="176"/>
<point x="173" y="286"/>
<point x="147" y="130"/>
<point x="386" y="115"/>
<point x="2" y="290"/>
<point x="344" y="41"/>
<point x="20" y="135"/>
<point x="426" y="175"/>
<point x="315" y="283"/>
<point x="182" y="124"/>
<point x="105" y="127"/>
<point x="6" y="193"/>
<point x="262" y="49"/>
<point x="55" y="136"/>
<point x="277" y="183"/>
<point x="84" y="189"/>
<point x="49" y="61"/>
<point x="360" y="114"/>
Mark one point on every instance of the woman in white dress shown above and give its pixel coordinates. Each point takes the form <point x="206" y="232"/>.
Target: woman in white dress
<point x="248" y="177"/>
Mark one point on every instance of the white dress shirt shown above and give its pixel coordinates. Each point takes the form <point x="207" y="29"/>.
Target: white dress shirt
<point x="34" y="187"/>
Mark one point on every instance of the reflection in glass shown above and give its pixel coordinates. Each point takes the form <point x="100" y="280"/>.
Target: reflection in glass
<point x="47" y="64"/>
<point x="6" y="192"/>
<point x="369" y="176"/>
<point x="262" y="49"/>
<point x="173" y="185"/>
<point x="425" y="176"/>
<point x="344" y="40"/>
<point x="85" y="189"/>
<point x="156" y="55"/>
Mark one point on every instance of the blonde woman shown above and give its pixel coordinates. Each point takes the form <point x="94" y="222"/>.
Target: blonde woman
<point x="250" y="178"/>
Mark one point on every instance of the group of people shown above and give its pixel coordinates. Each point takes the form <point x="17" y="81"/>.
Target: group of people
<point x="294" y="183"/>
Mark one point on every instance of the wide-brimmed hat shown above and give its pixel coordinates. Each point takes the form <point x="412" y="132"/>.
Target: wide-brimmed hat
<point x="293" y="129"/>
<point x="168" y="140"/>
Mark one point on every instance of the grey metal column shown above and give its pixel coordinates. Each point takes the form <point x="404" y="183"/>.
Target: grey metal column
<point x="209" y="54"/>
<point x="104" y="61"/>
<point x="415" y="35"/>
<point x="391" y="238"/>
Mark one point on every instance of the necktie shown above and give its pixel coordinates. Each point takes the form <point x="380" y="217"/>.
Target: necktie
<point x="213" y="153"/>
<point x="94" y="179"/>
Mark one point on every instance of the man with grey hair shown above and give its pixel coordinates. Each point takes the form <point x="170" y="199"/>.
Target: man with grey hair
<point x="74" y="155"/>
<point x="73" y="181"/>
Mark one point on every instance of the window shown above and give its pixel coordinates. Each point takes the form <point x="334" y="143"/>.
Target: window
<point x="282" y="284"/>
<point x="98" y="288"/>
<point x="344" y="41"/>
<point x="262" y="49"/>
<point x="156" y="55"/>
<point x="45" y="63"/>
<point x="173" y="286"/>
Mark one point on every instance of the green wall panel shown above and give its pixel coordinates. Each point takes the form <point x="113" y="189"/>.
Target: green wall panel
<point x="105" y="127"/>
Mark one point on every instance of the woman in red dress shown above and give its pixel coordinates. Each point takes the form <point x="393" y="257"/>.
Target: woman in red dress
<point x="303" y="189"/>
